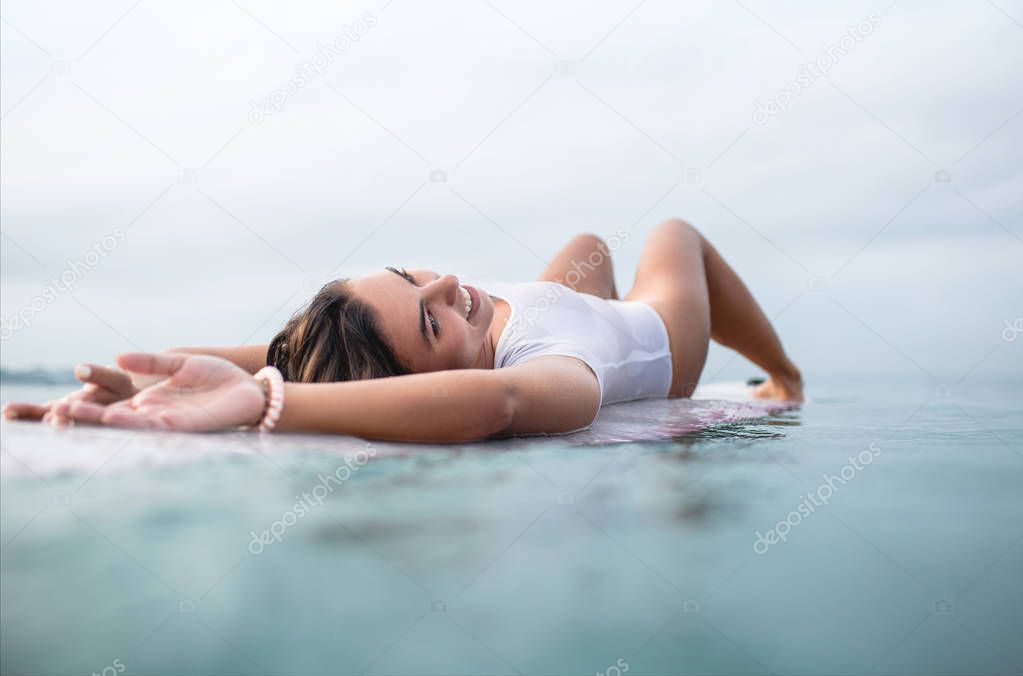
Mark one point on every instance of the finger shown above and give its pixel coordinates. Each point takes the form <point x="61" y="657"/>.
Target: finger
<point x="48" y="417"/>
<point x="98" y="394"/>
<point x="163" y="364"/>
<point x="18" y="410"/>
<point x="103" y="376"/>
<point x="85" y="411"/>
<point x="84" y="391"/>
<point x="58" y="415"/>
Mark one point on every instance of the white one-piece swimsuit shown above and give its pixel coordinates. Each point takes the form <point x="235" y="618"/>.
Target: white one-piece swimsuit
<point x="624" y="343"/>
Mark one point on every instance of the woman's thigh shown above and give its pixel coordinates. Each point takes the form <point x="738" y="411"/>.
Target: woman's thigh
<point x="583" y="265"/>
<point x="671" y="279"/>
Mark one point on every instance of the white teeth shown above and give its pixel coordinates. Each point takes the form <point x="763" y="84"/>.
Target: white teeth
<point x="468" y="300"/>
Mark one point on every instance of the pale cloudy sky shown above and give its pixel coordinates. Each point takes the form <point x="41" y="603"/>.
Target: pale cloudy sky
<point x="132" y="119"/>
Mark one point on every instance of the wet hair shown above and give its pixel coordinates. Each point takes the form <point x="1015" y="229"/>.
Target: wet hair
<point x="335" y="337"/>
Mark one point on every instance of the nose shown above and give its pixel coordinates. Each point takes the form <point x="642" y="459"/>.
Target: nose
<point x="444" y="288"/>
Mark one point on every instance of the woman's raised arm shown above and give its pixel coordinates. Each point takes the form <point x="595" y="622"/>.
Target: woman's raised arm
<point x="202" y="393"/>
<point x="250" y="358"/>
<point x="104" y="385"/>
<point x="548" y="395"/>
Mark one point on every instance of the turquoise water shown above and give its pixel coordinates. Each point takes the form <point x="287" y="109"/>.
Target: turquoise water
<point x="535" y="558"/>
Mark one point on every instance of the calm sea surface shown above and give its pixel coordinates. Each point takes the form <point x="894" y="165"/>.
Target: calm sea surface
<point x="876" y="530"/>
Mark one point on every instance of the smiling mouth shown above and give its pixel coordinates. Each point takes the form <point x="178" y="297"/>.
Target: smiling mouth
<point x="471" y="298"/>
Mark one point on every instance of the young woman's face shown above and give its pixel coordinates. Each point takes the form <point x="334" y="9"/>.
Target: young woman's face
<point x="432" y="322"/>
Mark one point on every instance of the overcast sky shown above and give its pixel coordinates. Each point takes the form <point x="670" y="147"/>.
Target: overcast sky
<point x="878" y="216"/>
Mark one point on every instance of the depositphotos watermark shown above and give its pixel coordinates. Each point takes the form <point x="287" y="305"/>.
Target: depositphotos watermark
<point x="617" y="669"/>
<point x="820" y="497"/>
<point x="74" y="270"/>
<point x="309" y="69"/>
<point x="117" y="667"/>
<point x="815" y="69"/>
<point x="310" y="500"/>
<point x="580" y="269"/>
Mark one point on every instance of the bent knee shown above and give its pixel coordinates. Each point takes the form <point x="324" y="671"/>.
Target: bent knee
<point x="675" y="232"/>
<point x="677" y="225"/>
<point x="590" y="242"/>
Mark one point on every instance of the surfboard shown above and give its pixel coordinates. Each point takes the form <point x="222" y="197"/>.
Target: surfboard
<point x="41" y="450"/>
<point x="662" y="419"/>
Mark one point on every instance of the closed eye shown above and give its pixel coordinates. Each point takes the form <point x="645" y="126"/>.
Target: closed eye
<point x="425" y="317"/>
<point x="403" y="273"/>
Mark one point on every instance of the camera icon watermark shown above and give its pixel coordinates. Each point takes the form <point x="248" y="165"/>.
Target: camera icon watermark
<point x="817" y="284"/>
<point x="439" y="390"/>
<point x="188" y="176"/>
<point x="942" y="390"/>
<point x="1012" y="330"/>
<point x="565" y="498"/>
<point x="943" y="176"/>
<point x="312" y="283"/>
<point x="60" y="68"/>
<point x="692" y="175"/>
<point x="565" y="68"/>
<point x="691" y="606"/>
<point x="438" y="606"/>
<point x="61" y="498"/>
<point x="187" y="607"/>
<point x="942" y="606"/>
<point x="438" y="176"/>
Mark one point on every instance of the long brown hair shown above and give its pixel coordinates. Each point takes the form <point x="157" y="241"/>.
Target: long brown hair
<point x="335" y="337"/>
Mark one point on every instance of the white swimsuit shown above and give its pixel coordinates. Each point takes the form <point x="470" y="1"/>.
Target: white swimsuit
<point x="624" y="343"/>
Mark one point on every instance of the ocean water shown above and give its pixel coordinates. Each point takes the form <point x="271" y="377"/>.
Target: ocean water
<point x="875" y="530"/>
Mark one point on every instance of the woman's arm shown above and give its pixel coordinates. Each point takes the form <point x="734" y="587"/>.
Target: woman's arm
<point x="546" y="395"/>
<point x="249" y="358"/>
<point x="440" y="406"/>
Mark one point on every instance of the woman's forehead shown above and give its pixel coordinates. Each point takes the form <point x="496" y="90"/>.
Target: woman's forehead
<point x="394" y="303"/>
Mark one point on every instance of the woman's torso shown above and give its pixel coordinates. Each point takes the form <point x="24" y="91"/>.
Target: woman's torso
<point x="624" y="343"/>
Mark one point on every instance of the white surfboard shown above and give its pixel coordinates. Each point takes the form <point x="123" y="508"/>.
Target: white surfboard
<point x="41" y="450"/>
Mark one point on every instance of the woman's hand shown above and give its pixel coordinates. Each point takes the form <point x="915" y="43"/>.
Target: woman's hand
<point x="102" y="385"/>
<point x="200" y="393"/>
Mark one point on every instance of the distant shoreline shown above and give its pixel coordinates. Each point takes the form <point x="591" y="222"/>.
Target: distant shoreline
<point x="37" y="376"/>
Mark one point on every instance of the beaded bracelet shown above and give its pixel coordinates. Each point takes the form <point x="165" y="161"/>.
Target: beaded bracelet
<point x="274" y="382"/>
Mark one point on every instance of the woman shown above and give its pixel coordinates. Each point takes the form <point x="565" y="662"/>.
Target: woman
<point x="417" y="356"/>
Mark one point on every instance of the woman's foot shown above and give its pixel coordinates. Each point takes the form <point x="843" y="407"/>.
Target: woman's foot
<point x="782" y="387"/>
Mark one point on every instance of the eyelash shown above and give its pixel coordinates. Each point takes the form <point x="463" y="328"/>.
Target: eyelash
<point x="429" y="317"/>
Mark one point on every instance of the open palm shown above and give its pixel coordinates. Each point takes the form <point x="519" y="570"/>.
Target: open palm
<point x="200" y="393"/>
<point x="100" y="385"/>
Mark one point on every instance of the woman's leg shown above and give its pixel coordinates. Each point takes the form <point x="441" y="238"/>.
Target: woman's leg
<point x="672" y="279"/>
<point x="684" y="278"/>
<point x="584" y="265"/>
